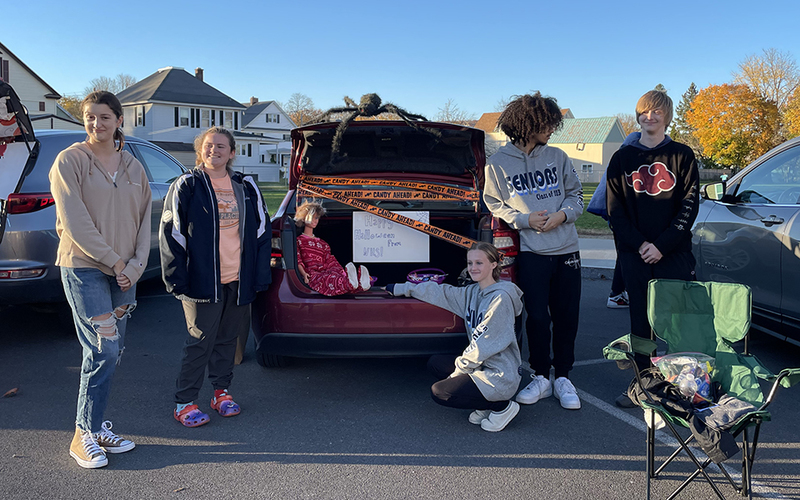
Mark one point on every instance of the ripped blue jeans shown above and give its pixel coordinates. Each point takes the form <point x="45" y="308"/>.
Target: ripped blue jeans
<point x="90" y="294"/>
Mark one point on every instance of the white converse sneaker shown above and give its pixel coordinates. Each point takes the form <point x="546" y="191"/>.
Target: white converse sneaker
<point x="352" y="275"/>
<point x="363" y="279"/>
<point x="112" y="443"/>
<point x="565" y="392"/>
<point x="498" y="420"/>
<point x="85" y="450"/>
<point x="477" y="416"/>
<point x="655" y="418"/>
<point x="539" y="388"/>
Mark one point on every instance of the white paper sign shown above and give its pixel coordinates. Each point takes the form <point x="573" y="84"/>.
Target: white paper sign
<point x="376" y="239"/>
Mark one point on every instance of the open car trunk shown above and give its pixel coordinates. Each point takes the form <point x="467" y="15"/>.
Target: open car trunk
<point x="18" y="148"/>
<point x="337" y="231"/>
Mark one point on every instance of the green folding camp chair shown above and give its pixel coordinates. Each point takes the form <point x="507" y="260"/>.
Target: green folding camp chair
<point x="705" y="317"/>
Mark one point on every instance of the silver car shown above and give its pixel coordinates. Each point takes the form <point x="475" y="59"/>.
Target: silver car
<point x="748" y="231"/>
<point x="28" y="248"/>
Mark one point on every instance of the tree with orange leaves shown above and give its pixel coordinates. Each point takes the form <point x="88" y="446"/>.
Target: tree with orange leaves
<point x="734" y="124"/>
<point x="791" y="115"/>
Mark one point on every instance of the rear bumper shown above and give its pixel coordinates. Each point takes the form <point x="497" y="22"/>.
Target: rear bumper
<point x="304" y="345"/>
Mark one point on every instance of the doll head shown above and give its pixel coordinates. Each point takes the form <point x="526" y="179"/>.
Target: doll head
<point x="307" y="211"/>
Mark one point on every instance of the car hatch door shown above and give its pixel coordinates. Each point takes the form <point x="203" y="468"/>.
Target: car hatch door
<point x="18" y="148"/>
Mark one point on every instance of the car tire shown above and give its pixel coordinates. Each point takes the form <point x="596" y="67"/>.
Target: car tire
<point x="268" y="360"/>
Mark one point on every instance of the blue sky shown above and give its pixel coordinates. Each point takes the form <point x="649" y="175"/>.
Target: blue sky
<point x="595" y="57"/>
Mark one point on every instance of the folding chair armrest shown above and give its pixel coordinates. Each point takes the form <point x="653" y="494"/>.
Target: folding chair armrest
<point x="628" y="345"/>
<point x="786" y="378"/>
<point x="758" y="369"/>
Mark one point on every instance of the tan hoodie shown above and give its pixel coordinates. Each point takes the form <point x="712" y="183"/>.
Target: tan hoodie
<point x="100" y="220"/>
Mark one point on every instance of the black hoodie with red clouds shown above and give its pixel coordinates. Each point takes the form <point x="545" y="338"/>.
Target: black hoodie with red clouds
<point x="652" y="195"/>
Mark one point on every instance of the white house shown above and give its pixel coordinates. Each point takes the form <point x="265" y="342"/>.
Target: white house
<point x="171" y="107"/>
<point x="268" y="120"/>
<point x="35" y="94"/>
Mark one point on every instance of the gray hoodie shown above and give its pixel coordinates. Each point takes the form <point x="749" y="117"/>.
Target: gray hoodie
<point x="518" y="184"/>
<point x="492" y="357"/>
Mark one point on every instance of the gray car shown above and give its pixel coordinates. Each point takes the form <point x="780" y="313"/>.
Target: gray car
<point x="28" y="248"/>
<point x="748" y="232"/>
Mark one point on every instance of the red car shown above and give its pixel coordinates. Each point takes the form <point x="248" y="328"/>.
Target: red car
<point x="292" y="320"/>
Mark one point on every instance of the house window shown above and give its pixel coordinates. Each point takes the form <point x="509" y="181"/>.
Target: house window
<point x="287" y="137"/>
<point x="185" y="115"/>
<point x="4" y="70"/>
<point x="244" y="150"/>
<point x="205" y="118"/>
<point x="273" y="118"/>
<point x="226" y="119"/>
<point x="272" y="158"/>
<point x="139" y="116"/>
<point x="41" y="106"/>
<point x="587" y="168"/>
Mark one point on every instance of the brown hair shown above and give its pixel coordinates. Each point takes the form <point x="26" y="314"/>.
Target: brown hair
<point x="655" y="99"/>
<point x="491" y="253"/>
<point x="110" y="100"/>
<point x="527" y="115"/>
<point x="198" y="144"/>
<point x="306" y="210"/>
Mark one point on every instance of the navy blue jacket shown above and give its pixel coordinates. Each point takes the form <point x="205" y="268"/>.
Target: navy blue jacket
<point x="188" y="238"/>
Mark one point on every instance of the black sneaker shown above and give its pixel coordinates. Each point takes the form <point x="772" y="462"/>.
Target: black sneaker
<point x="623" y="401"/>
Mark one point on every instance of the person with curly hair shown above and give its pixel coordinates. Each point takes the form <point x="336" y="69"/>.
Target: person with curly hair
<point x="534" y="188"/>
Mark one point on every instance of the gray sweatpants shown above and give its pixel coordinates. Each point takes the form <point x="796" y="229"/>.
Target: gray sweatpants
<point x="213" y="330"/>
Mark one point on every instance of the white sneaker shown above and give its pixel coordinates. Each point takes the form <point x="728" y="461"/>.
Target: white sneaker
<point x="565" y="392"/>
<point x="363" y="279"/>
<point x="658" y="422"/>
<point x="110" y="442"/>
<point x="352" y="275"/>
<point x="477" y="416"/>
<point x="539" y="388"/>
<point x="498" y="420"/>
<point x="618" y="301"/>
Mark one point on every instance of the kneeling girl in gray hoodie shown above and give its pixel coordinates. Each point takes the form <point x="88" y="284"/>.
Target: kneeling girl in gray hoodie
<point x="484" y="377"/>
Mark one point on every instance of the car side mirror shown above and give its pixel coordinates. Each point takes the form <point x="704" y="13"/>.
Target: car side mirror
<point x="713" y="191"/>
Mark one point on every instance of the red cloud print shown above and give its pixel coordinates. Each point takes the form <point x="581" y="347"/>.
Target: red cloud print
<point x="651" y="179"/>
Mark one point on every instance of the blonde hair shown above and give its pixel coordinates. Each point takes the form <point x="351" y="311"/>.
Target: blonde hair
<point x="491" y="253"/>
<point x="307" y="211"/>
<point x="198" y="144"/>
<point x="655" y="99"/>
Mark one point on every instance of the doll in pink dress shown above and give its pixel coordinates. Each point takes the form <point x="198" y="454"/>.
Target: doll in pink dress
<point x="318" y="267"/>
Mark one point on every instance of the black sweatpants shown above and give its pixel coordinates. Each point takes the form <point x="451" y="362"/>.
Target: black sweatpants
<point x="213" y="330"/>
<point x="552" y="293"/>
<point x="459" y="391"/>
<point x="637" y="273"/>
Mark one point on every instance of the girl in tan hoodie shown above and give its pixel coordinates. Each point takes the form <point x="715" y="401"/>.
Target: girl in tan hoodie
<point x="103" y="205"/>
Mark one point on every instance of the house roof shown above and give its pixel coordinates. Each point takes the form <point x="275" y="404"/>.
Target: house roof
<point x="488" y="121"/>
<point x="589" y="131"/>
<point x="253" y="111"/>
<point x="53" y="94"/>
<point x="176" y="85"/>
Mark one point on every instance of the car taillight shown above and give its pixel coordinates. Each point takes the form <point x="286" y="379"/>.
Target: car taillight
<point x="12" y="274"/>
<point x="505" y="240"/>
<point x="25" y="203"/>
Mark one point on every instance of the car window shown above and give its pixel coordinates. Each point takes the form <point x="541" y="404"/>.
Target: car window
<point x="38" y="181"/>
<point x="776" y="181"/>
<point x="163" y="169"/>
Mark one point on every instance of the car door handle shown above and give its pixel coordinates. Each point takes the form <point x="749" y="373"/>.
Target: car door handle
<point x="772" y="219"/>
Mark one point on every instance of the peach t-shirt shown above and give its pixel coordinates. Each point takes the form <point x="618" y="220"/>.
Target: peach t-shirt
<point x="229" y="242"/>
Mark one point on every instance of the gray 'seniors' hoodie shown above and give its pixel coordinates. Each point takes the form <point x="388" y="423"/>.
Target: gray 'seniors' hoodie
<point x="492" y="357"/>
<point x="518" y="184"/>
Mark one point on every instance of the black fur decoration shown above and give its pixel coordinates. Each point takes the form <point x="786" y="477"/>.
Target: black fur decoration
<point x="370" y="105"/>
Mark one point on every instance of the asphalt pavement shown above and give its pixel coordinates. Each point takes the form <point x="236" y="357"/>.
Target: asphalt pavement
<point x="344" y="428"/>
